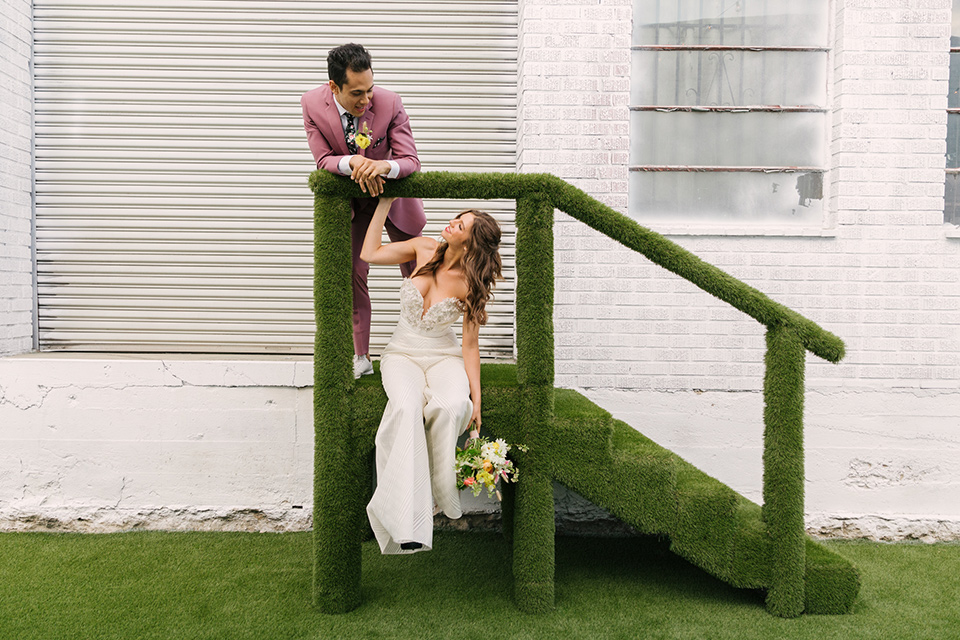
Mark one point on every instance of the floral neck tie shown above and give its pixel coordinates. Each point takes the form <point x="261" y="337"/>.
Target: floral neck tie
<point x="350" y="134"/>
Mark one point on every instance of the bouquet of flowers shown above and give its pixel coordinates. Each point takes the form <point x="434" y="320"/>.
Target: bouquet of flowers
<point x="484" y="463"/>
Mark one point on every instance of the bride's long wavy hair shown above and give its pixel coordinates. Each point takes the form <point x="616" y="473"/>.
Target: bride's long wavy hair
<point x="481" y="264"/>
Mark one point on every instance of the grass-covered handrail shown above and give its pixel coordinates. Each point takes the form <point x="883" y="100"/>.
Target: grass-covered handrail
<point x="598" y="216"/>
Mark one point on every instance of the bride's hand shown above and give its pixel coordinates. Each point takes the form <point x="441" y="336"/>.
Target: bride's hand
<point x="475" y="420"/>
<point x="385" y="201"/>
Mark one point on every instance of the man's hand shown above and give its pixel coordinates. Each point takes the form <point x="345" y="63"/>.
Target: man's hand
<point x="369" y="174"/>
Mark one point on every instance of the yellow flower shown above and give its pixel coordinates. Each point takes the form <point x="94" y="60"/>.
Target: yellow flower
<point x="363" y="137"/>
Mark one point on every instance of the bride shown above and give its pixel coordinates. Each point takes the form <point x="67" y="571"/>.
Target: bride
<point x="432" y="384"/>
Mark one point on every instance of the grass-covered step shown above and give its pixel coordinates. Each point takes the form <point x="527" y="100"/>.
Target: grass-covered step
<point x="706" y="520"/>
<point x="637" y="485"/>
<point x="750" y="559"/>
<point x="831" y="582"/>
<point x="643" y="484"/>
<point x="709" y="524"/>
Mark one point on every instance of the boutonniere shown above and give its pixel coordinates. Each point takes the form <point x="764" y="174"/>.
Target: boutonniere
<point x="362" y="139"/>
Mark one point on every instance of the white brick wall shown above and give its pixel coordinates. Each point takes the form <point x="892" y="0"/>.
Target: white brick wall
<point x="16" y="118"/>
<point x="574" y="85"/>
<point x="885" y="278"/>
<point x="884" y="275"/>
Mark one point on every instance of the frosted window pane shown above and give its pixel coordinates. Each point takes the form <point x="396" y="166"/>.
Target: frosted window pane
<point x="729" y="78"/>
<point x="951" y="212"/>
<point x="783" y="198"/>
<point x="730" y="22"/>
<point x="953" y="141"/>
<point x="757" y="139"/>
<point x="953" y="95"/>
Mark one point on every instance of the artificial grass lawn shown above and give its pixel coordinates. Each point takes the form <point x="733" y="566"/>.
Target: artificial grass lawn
<point x="241" y="585"/>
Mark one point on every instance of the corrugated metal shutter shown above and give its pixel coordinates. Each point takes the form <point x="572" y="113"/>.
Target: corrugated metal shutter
<point x="172" y="207"/>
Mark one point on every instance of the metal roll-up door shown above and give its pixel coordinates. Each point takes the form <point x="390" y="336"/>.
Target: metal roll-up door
<point x="171" y="163"/>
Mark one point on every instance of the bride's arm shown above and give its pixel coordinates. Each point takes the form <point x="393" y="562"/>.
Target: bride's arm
<point x="471" y="362"/>
<point x="373" y="249"/>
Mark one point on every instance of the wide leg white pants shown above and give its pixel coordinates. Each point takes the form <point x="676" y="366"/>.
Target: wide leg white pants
<point x="428" y="407"/>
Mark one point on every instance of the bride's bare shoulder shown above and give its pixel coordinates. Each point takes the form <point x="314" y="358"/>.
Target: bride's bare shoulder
<point x="425" y="245"/>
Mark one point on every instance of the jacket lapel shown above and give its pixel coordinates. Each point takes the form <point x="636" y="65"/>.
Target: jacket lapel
<point x="336" y="124"/>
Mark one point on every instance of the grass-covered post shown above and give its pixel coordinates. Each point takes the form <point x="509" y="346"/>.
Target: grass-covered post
<point x="783" y="475"/>
<point x="337" y="482"/>
<point x="533" y="520"/>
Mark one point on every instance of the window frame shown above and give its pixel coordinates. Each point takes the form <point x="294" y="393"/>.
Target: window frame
<point x="744" y="227"/>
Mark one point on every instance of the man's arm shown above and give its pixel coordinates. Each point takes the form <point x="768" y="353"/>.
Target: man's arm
<point x="320" y="147"/>
<point x="403" y="150"/>
<point x="402" y="144"/>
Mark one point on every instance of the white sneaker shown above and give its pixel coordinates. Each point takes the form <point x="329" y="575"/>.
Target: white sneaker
<point x="362" y="366"/>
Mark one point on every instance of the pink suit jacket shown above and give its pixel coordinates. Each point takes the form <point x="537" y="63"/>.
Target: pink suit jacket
<point x="392" y="139"/>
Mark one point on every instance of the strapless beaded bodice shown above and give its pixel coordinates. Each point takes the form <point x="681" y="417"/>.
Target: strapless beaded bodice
<point x="436" y="320"/>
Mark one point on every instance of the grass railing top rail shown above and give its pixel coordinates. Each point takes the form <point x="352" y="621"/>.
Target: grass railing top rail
<point x="598" y="216"/>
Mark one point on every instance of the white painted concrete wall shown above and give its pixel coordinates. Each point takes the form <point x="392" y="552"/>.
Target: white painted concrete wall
<point x="95" y="443"/>
<point x="223" y="443"/>
<point x="16" y="186"/>
<point x="113" y="442"/>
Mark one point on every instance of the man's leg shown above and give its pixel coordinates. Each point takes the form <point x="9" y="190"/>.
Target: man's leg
<point x="396" y="235"/>
<point x="361" y="294"/>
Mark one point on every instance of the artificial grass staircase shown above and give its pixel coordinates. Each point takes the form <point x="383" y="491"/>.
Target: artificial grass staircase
<point x="570" y="440"/>
<point x="641" y="483"/>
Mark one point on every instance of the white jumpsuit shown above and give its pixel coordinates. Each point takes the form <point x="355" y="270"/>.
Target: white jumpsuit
<point x="428" y="407"/>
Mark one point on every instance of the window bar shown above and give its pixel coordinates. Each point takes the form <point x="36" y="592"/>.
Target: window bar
<point x="771" y="108"/>
<point x="727" y="47"/>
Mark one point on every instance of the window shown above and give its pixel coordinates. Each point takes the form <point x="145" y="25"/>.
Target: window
<point x="728" y="117"/>
<point x="951" y="211"/>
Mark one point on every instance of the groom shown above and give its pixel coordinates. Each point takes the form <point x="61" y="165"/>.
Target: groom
<point x="358" y="130"/>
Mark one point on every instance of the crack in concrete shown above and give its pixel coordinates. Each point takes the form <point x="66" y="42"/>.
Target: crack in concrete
<point x="166" y="368"/>
<point x="44" y="392"/>
<point x="229" y="370"/>
<point x="122" y="487"/>
<point x="917" y="392"/>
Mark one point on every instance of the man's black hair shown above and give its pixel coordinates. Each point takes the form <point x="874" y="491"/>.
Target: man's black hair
<point x="347" y="56"/>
